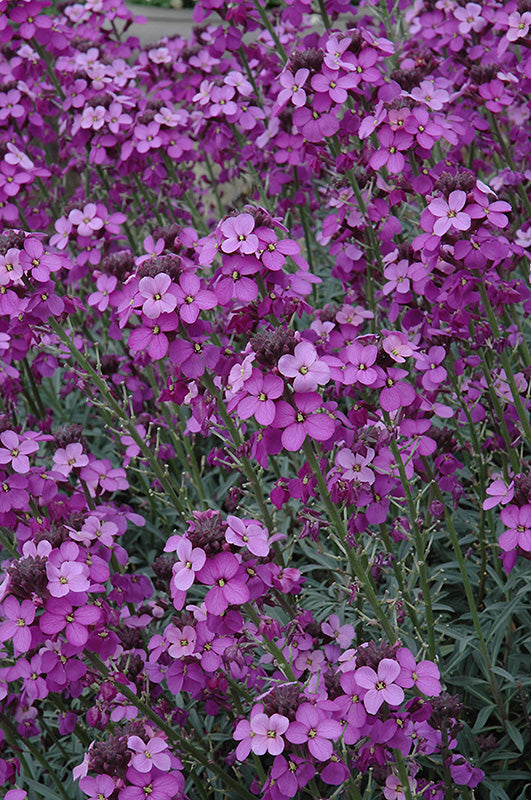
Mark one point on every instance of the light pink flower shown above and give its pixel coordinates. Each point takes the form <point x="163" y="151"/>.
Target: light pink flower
<point x="380" y="685"/>
<point x="498" y="493"/>
<point x="250" y="534"/>
<point x="159" y="299"/>
<point x="449" y="213"/>
<point x="191" y="298"/>
<point x="239" y="235"/>
<point x="86" y="221"/>
<point x="268" y="733"/>
<point x="15" y="451"/>
<point x="304" y="366"/>
<point x="65" y="459"/>
<point x="191" y="560"/>
<point x="152" y="754"/>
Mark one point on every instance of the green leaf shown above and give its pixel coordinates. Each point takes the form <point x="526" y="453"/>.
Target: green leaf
<point x="515" y="735"/>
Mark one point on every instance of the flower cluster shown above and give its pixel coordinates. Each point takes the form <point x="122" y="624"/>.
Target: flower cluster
<point x="264" y="429"/>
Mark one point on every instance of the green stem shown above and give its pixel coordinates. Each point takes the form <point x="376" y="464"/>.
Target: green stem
<point x="115" y="408"/>
<point x="523" y="415"/>
<point x="265" y="19"/>
<point x="37" y="755"/>
<point x="170" y="731"/>
<point x="357" y="568"/>
<point x="403" y="773"/>
<point x="469" y="595"/>
<point x="420" y="547"/>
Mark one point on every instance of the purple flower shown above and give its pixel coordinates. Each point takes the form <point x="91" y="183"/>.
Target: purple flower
<point x="518" y="522"/>
<point x="313" y="727"/>
<point x="302" y="421"/>
<point x="262" y="391"/>
<point x="86" y="221"/>
<point x="380" y="685"/>
<point x="151" y="336"/>
<point x="227" y="579"/>
<point x="238" y="235"/>
<point x="147" y="787"/>
<point x="153" y="754"/>
<point x="18" y="619"/>
<point x="396" y="393"/>
<point x="389" y="154"/>
<point x="248" y="534"/>
<point x="424" y="676"/>
<point x="67" y="458"/>
<point x="448" y="213"/>
<point x="394" y="790"/>
<point x="292" y="89"/>
<point x="98" y="788"/>
<point x="191" y="560"/>
<point x="59" y="616"/>
<point x="305" y="368"/>
<point x="159" y="297"/>
<point x="191" y="298"/>
<point x="291" y="774"/>
<point x="430" y="364"/>
<point x="498" y="493"/>
<point x="268" y="733"/>
<point x="362" y="357"/>
<point x="315" y="126"/>
<point x="15" y="451"/>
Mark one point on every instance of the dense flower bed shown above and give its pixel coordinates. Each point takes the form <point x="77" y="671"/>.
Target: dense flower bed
<point x="265" y="507"/>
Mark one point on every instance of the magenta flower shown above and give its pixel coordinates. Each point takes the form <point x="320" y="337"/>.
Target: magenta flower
<point x="262" y="391"/>
<point x="342" y="634"/>
<point x="191" y="298"/>
<point x="292" y="89"/>
<point x="86" y="221"/>
<point x="393" y="789"/>
<point x="147" y="787"/>
<point x="99" y="788"/>
<point x="305" y="368"/>
<point x="389" y="154"/>
<point x="106" y="284"/>
<point x="238" y="235"/>
<point x="11" y="269"/>
<point x="182" y="641"/>
<point x="268" y="733"/>
<point x="362" y="358"/>
<point x="15" y="451"/>
<point x="313" y="727"/>
<point x="518" y="522"/>
<point x="191" y="560"/>
<point x="498" y="493"/>
<point x="274" y="251"/>
<point x="247" y="534"/>
<point x="380" y="685"/>
<point x="227" y="579"/>
<point x="234" y="280"/>
<point x="518" y="25"/>
<point x="18" y="618"/>
<point x="70" y="576"/>
<point x="151" y="336"/>
<point x="315" y="126"/>
<point x="355" y="465"/>
<point x="291" y="774"/>
<point x="59" y="616"/>
<point x="159" y="297"/>
<point x="302" y="421"/>
<point x="153" y="754"/>
<point x="67" y="458"/>
<point x="430" y="364"/>
<point x="424" y="676"/>
<point x="396" y="393"/>
<point x="449" y="213"/>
